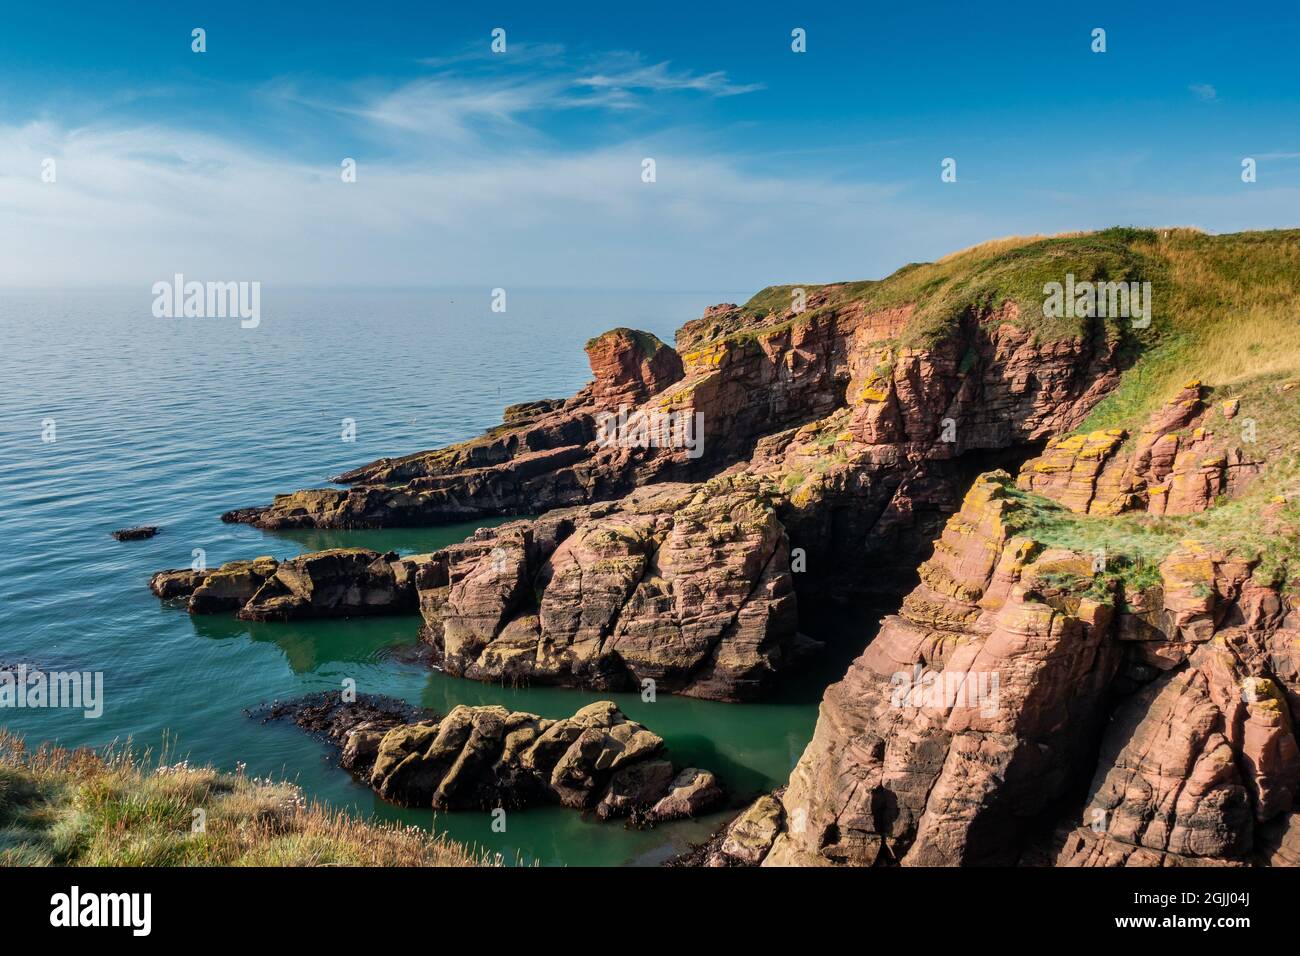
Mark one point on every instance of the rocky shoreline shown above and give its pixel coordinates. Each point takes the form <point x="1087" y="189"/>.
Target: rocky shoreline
<point x="649" y="565"/>
<point x="1042" y="696"/>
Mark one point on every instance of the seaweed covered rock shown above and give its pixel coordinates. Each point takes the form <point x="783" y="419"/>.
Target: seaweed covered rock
<point x="340" y="582"/>
<point x="225" y="588"/>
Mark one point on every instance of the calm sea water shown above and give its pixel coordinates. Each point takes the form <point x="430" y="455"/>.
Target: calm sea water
<point x="173" y="421"/>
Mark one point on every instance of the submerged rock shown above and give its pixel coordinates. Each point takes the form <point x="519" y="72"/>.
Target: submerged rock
<point x="136" y="534"/>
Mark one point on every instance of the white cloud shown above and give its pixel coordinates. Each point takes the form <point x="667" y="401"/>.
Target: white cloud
<point x="138" y="204"/>
<point x="659" y="77"/>
<point x="1205" y="92"/>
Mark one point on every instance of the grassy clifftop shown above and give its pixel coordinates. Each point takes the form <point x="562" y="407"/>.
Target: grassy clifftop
<point x="1224" y="307"/>
<point x="80" y="808"/>
<point x="987" y="276"/>
<point x="1225" y="313"/>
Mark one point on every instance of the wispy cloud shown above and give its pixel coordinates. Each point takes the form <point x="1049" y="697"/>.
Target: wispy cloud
<point x="1204" y="92"/>
<point x="466" y="96"/>
<point x="660" y="77"/>
<point x="490" y="172"/>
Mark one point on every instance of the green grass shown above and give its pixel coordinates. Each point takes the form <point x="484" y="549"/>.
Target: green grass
<point x="1134" y="544"/>
<point x="1222" y="305"/>
<point x="81" y="808"/>
<point x="1225" y="314"/>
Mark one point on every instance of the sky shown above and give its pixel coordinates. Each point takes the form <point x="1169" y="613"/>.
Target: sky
<point x="524" y="168"/>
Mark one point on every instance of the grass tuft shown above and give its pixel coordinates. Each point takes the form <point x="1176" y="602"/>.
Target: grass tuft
<point x="81" y="808"/>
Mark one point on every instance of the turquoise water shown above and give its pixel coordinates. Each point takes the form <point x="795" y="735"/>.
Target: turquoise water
<point x="171" y="422"/>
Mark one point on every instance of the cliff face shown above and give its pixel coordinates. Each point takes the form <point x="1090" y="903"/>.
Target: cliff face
<point x="966" y="732"/>
<point x="865" y="443"/>
<point x="969" y="710"/>
<point x="1174" y="466"/>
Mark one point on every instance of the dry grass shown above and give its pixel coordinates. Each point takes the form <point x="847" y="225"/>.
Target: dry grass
<point x="1225" y="314"/>
<point x="82" y="808"/>
<point x="995" y="247"/>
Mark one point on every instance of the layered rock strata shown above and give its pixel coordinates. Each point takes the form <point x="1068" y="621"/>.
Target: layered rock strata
<point x="1179" y="463"/>
<point x="683" y="588"/>
<point x="674" y="561"/>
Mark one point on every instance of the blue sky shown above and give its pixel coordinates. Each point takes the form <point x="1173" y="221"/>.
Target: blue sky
<point x="524" y="168"/>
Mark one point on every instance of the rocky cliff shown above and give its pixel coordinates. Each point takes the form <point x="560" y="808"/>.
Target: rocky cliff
<point x="689" y="496"/>
<point x="1090" y="522"/>
<point x="1036" y="703"/>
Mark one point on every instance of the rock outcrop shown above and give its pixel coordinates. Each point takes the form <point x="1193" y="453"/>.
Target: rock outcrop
<point x="684" y="588"/>
<point x="226" y="588"/>
<point x="970" y="710"/>
<point x="630" y="367"/>
<point x="1036" y="699"/>
<point x="340" y="582"/>
<point x="687" y="587"/>
<point x="484" y="758"/>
